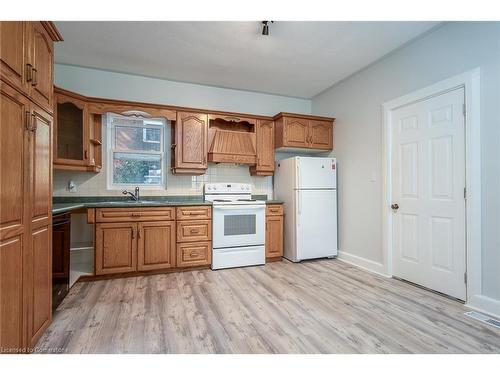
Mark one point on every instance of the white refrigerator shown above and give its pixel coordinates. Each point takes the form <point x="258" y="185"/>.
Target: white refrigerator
<point x="308" y="187"/>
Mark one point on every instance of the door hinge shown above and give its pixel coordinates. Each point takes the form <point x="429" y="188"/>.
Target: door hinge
<point x="464" y="109"/>
<point x="465" y="193"/>
<point x="465" y="277"/>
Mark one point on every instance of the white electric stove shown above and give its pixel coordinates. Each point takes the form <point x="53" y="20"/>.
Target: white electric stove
<point x="238" y="233"/>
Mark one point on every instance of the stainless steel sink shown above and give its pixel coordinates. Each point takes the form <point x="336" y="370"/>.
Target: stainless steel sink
<point x="132" y="203"/>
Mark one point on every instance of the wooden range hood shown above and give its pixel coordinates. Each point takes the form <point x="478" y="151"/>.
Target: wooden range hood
<point x="232" y="139"/>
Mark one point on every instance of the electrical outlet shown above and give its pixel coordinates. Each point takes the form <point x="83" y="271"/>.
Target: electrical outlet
<point x="71" y="186"/>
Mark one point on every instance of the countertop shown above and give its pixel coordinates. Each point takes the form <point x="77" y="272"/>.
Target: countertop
<point x="67" y="204"/>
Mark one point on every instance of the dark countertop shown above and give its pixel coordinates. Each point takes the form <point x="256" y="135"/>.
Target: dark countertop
<point x="67" y="204"/>
<point x="274" y="201"/>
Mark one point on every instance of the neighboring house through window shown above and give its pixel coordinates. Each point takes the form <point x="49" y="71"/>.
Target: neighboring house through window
<point x="136" y="152"/>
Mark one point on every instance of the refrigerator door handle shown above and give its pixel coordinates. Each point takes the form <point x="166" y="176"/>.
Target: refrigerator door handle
<point x="298" y="176"/>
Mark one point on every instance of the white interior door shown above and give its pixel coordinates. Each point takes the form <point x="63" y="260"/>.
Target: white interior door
<point x="428" y="182"/>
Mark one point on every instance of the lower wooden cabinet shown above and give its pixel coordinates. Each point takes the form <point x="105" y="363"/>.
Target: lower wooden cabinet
<point x="274" y="232"/>
<point x="149" y="238"/>
<point x="115" y="248"/>
<point x="39" y="288"/>
<point x="156" y="245"/>
<point x="194" y="254"/>
<point x="11" y="293"/>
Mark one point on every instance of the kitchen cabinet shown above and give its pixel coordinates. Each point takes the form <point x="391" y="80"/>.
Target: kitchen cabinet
<point x="274" y="232"/>
<point x="27" y="59"/>
<point x="14" y="48"/>
<point x="194" y="236"/>
<point x="115" y="248"/>
<point x="134" y="239"/>
<point x="194" y="230"/>
<point x="156" y="248"/>
<point x="190" y="147"/>
<point x="303" y="132"/>
<point x="265" y="149"/>
<point x="61" y="231"/>
<point x="194" y="254"/>
<point x="77" y="133"/>
<point x="42" y="65"/>
<point x="25" y="218"/>
<point x="71" y="138"/>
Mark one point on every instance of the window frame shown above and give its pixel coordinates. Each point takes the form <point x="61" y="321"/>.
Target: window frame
<point x="111" y="150"/>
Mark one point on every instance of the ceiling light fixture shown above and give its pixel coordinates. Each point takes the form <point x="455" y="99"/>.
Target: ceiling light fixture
<point x="265" y="27"/>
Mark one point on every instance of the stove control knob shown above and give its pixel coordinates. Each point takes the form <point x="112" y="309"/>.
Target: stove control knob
<point x="215" y="187"/>
<point x="248" y="187"/>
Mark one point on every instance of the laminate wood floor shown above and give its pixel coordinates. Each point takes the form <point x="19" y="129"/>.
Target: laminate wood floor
<point x="324" y="306"/>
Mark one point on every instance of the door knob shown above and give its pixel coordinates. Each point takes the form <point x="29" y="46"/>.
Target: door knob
<point x="394" y="206"/>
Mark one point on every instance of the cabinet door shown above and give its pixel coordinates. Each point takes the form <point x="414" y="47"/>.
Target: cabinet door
<point x="70" y="132"/>
<point x="191" y="143"/>
<point x="156" y="245"/>
<point x="60" y="251"/>
<point x="13" y="53"/>
<point x="41" y="168"/>
<point x="274" y="236"/>
<point x="321" y="134"/>
<point x="115" y="248"/>
<point x="14" y="162"/>
<point x="265" y="146"/>
<point x="11" y="293"/>
<point x="42" y="61"/>
<point x="38" y="285"/>
<point x="296" y="131"/>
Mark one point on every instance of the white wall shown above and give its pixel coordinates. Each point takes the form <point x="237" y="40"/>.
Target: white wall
<point x="356" y="103"/>
<point x="105" y="84"/>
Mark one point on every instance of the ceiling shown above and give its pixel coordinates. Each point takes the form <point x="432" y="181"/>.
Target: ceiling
<point x="298" y="59"/>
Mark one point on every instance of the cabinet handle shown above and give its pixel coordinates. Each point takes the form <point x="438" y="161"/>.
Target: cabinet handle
<point x="205" y="159"/>
<point x="194" y="231"/>
<point x="35" y="78"/>
<point x="33" y="122"/>
<point x="28" y="122"/>
<point x="193" y="254"/>
<point x="274" y="210"/>
<point x="136" y="214"/>
<point x="139" y="233"/>
<point x="85" y="154"/>
<point x="133" y="233"/>
<point x="29" y="72"/>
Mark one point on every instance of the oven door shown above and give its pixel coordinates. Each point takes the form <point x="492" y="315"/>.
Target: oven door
<point x="238" y="225"/>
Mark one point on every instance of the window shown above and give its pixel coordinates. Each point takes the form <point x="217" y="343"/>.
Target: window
<point x="136" y="154"/>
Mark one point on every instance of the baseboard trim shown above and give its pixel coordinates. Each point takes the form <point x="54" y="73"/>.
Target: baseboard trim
<point x="366" y="264"/>
<point x="485" y="305"/>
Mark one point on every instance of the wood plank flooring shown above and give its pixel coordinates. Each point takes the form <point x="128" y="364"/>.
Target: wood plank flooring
<point x="323" y="306"/>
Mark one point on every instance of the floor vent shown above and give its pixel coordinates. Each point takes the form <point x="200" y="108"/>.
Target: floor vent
<point x="484" y="318"/>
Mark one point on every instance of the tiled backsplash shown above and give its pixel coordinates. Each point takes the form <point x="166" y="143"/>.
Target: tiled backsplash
<point x="94" y="184"/>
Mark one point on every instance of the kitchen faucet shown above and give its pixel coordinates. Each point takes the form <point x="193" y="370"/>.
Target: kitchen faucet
<point x="135" y="195"/>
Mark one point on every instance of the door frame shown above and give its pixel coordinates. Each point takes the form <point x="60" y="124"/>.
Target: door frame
<point x="470" y="82"/>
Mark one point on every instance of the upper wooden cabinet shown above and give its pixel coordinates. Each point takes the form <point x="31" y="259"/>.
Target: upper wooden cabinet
<point x="309" y="133"/>
<point x="190" y="147"/>
<point x="14" y="48"/>
<point x="77" y="133"/>
<point x="41" y="77"/>
<point x="265" y="149"/>
<point x="27" y="59"/>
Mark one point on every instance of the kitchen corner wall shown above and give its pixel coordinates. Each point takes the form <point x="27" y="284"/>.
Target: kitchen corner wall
<point x="105" y="84"/>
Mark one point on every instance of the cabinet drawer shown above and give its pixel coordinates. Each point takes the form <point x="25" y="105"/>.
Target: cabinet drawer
<point x="274" y="210"/>
<point x="193" y="231"/>
<point x="124" y="214"/>
<point x="194" y="212"/>
<point x="194" y="254"/>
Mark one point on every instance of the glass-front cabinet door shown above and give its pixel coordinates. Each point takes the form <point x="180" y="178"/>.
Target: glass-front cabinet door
<point x="71" y="135"/>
